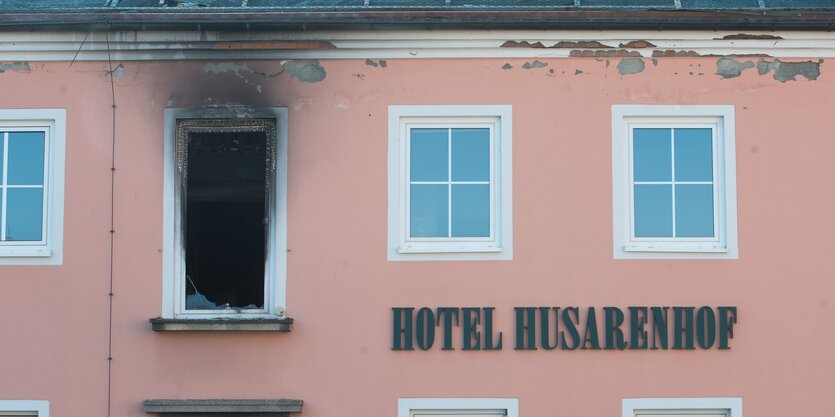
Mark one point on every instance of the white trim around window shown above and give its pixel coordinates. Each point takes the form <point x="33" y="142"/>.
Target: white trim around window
<point x="173" y="285"/>
<point x="683" y="407"/>
<point x="43" y="244"/>
<point x="717" y="237"/>
<point x="446" y="407"/>
<point x="488" y="238"/>
<point x="39" y="408"/>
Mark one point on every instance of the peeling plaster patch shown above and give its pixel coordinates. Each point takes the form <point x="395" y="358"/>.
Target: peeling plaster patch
<point x="580" y="44"/>
<point x="747" y="36"/>
<point x="674" y="53"/>
<point x="731" y="68"/>
<point x="630" y="66"/>
<point x="560" y="44"/>
<point x="535" y="64"/>
<point x="788" y="71"/>
<point x="507" y="66"/>
<point x="15" y="66"/>
<point x="637" y="45"/>
<point x="118" y="71"/>
<point x="359" y="76"/>
<point x="616" y="53"/>
<point x="306" y="71"/>
<point x="222" y="67"/>
<point x="275" y="45"/>
<point x="522" y="44"/>
<point x="578" y="72"/>
<point x="371" y="63"/>
<point x="654" y="62"/>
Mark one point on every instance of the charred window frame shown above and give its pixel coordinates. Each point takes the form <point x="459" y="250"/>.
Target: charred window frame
<point x="225" y="257"/>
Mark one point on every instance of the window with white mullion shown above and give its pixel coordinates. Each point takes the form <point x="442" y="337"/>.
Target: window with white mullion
<point x="437" y="172"/>
<point x="656" y="178"/>
<point x="5" y="187"/>
<point x="449" y="185"/>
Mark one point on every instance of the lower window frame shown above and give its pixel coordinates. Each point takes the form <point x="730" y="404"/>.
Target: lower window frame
<point x="732" y="406"/>
<point x="407" y="406"/>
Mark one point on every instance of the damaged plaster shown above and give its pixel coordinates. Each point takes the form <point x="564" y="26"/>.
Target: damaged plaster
<point x="637" y="45"/>
<point x="15" y="66"/>
<point x="605" y="53"/>
<point x="306" y="71"/>
<point x="781" y="71"/>
<point x="381" y="63"/>
<point x="507" y="66"/>
<point x="535" y="64"/>
<point x="731" y="68"/>
<point x="558" y="45"/>
<point x="118" y="71"/>
<point x="631" y="66"/>
<point x="788" y="71"/>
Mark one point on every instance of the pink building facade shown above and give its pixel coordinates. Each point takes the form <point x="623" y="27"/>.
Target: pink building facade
<point x="432" y="221"/>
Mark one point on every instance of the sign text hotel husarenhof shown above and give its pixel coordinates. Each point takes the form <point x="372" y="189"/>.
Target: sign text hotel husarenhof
<point x="565" y="328"/>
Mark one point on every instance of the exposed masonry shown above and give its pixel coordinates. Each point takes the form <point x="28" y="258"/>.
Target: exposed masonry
<point x="118" y="71"/>
<point x="731" y="68"/>
<point x="535" y="64"/>
<point x="631" y="66"/>
<point x="507" y="66"/>
<point x="727" y="67"/>
<point x="604" y="53"/>
<point x="747" y="36"/>
<point x="15" y="66"/>
<point x="306" y="71"/>
<point x="558" y="45"/>
<point x="636" y="45"/>
<point x="787" y="71"/>
<point x="381" y="63"/>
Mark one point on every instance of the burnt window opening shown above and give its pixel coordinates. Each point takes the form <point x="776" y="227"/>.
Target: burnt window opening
<point x="225" y="169"/>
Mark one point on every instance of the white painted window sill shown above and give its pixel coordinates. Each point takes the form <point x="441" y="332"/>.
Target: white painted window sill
<point x="24" y="253"/>
<point x="275" y="324"/>
<point x="448" y="249"/>
<point x="676" y="249"/>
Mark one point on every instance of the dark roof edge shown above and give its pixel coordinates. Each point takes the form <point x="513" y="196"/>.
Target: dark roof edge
<point x="265" y="19"/>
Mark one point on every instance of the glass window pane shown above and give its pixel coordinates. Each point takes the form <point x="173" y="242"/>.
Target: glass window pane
<point x="26" y="153"/>
<point x="694" y="210"/>
<point x="428" y="205"/>
<point x="470" y="155"/>
<point x="2" y="135"/>
<point x="24" y="213"/>
<point x="652" y="155"/>
<point x="694" y="154"/>
<point x="471" y="210"/>
<point x="653" y="210"/>
<point x="428" y="155"/>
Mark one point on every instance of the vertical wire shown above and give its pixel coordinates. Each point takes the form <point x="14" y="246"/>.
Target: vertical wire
<point x="112" y="222"/>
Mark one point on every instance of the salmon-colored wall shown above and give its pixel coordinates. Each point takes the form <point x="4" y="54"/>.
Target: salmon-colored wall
<point x="340" y="287"/>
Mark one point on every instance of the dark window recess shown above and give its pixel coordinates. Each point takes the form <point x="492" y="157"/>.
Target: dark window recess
<point x="226" y="220"/>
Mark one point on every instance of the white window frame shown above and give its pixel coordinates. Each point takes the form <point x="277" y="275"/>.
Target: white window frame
<point x="500" y="245"/>
<point x="39" y="408"/>
<point x="731" y="406"/>
<point x="406" y="407"/>
<point x="173" y="285"/>
<point x="53" y="122"/>
<point x="720" y="118"/>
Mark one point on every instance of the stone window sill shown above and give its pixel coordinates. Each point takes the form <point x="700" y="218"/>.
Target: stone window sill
<point x="222" y="408"/>
<point x="222" y="325"/>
